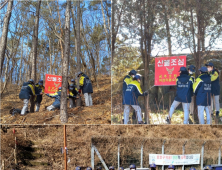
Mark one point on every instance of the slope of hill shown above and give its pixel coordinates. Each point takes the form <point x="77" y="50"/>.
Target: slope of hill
<point x="99" y="113"/>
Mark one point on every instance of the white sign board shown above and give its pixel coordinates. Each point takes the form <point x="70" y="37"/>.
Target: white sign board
<point x="162" y="159"/>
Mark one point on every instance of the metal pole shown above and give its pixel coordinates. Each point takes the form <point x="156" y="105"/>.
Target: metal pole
<point x="100" y="158"/>
<point x="163" y="152"/>
<point x="202" y="154"/>
<point x="219" y="156"/>
<point x="92" y="156"/>
<point x="183" y="152"/>
<point x="141" y="164"/>
<point x="65" y="148"/>
<point x="118" y="155"/>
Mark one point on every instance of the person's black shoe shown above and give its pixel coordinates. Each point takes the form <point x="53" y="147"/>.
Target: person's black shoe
<point x="217" y="114"/>
<point x="167" y="120"/>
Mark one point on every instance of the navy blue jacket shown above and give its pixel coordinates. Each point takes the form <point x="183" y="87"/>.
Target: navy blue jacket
<point x="85" y="84"/>
<point x="202" y="90"/>
<point x="127" y="79"/>
<point x="38" y="90"/>
<point x="27" y="91"/>
<point x="57" y="96"/>
<point x="132" y="93"/>
<point x="193" y="78"/>
<point x="184" y="88"/>
<point x="215" y="84"/>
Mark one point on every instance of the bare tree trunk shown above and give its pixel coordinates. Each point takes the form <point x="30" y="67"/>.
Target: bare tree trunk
<point x="78" y="101"/>
<point x="50" y="57"/>
<point x="106" y="28"/>
<point x="34" y="52"/>
<point x="65" y="63"/>
<point x="6" y="74"/>
<point x="35" y="42"/>
<point x="20" y="68"/>
<point x="54" y="59"/>
<point x="78" y="38"/>
<point x="76" y="48"/>
<point x="4" y="35"/>
<point x="61" y="34"/>
<point x="168" y="30"/>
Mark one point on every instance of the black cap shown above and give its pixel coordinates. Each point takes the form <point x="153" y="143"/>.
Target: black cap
<point x="209" y="64"/>
<point x="192" y="68"/>
<point x="203" y="69"/>
<point x="183" y="69"/>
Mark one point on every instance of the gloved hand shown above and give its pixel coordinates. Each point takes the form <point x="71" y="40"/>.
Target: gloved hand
<point x="146" y="93"/>
<point x="79" y="91"/>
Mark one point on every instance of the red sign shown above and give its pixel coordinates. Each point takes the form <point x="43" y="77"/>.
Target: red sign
<point x="167" y="69"/>
<point x="52" y="83"/>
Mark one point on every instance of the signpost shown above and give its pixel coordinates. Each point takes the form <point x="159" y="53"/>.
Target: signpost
<point x="162" y="159"/>
<point x="167" y="70"/>
<point x="52" y="83"/>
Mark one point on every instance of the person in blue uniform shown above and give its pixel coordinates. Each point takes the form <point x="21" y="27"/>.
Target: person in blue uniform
<point x="192" y="168"/>
<point x="215" y="88"/>
<point x="153" y="166"/>
<point x="133" y="91"/>
<point x="56" y="103"/>
<point x="78" y="168"/>
<point x="39" y="90"/>
<point x="86" y="88"/>
<point x="191" y="70"/>
<point x="208" y="167"/>
<point x="72" y="96"/>
<point x="184" y="93"/>
<point x="171" y="167"/>
<point x="202" y="90"/>
<point x="132" y="167"/>
<point x="98" y="168"/>
<point x="128" y="79"/>
<point x="111" y="168"/>
<point x="27" y="90"/>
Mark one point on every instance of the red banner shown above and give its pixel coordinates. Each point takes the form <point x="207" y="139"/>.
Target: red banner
<point x="167" y="69"/>
<point x="52" y="83"/>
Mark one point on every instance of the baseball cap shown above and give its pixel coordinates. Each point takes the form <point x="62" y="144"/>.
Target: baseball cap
<point x="192" y="68"/>
<point x="133" y="72"/>
<point x="137" y="77"/>
<point x="208" y="167"/>
<point x="132" y="166"/>
<point x="152" y="165"/>
<point x="192" y="168"/>
<point x="203" y="69"/>
<point x="183" y="69"/>
<point x="171" y="167"/>
<point x="78" y="168"/>
<point x="40" y="82"/>
<point x="209" y="64"/>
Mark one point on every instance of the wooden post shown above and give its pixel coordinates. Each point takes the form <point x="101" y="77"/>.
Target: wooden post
<point x="3" y="165"/>
<point x="65" y="148"/>
<point x="15" y="156"/>
<point x="25" y="134"/>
